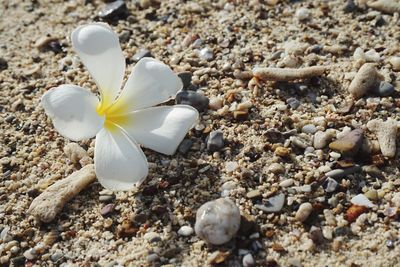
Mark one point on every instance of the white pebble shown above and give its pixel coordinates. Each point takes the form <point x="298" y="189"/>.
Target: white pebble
<point x="303" y="212"/>
<point x="303" y="14"/>
<point x="395" y="62"/>
<point x="361" y="200"/>
<point x="230" y="166"/>
<point x="248" y="260"/>
<point x="217" y="221"/>
<point x="185" y="231"/>
<point x="372" y="56"/>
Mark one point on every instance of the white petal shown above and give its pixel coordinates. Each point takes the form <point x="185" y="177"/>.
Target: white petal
<point x="150" y="83"/>
<point x="73" y="111"/>
<point x="161" y="128"/>
<point x="99" y="49"/>
<point x="119" y="161"/>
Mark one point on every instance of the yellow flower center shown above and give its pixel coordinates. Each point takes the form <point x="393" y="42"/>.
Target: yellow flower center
<point x="115" y="114"/>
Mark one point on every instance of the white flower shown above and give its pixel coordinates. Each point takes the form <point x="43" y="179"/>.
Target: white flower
<point x="121" y="118"/>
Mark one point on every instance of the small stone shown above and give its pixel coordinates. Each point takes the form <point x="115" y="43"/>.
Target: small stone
<point x="303" y="212"/>
<point x="331" y="185"/>
<point x="293" y="102"/>
<point x="303" y="14"/>
<point x="152" y="258"/>
<point x="386" y="6"/>
<point x="340" y="173"/>
<point x="18" y="261"/>
<point x="30" y="254"/>
<point x="185" y="146"/>
<point x="3" y="64"/>
<point x="138" y="218"/>
<point x="215" y="103"/>
<point x="171" y="252"/>
<point x="372" y="194"/>
<point x="56" y="256"/>
<point x="362" y="200"/>
<point x="282" y="151"/>
<point x="350" y="6"/>
<point x="309" y="129"/>
<point x="316" y="235"/>
<point x="394" y="61"/>
<point x="185" y="231"/>
<point x="386" y="133"/>
<point x="365" y="80"/>
<point x="384" y="89"/>
<point x="231" y="166"/>
<point x="248" y="260"/>
<point x="206" y="54"/>
<point x="215" y="141"/>
<point x="218" y="257"/>
<point x="114" y="11"/>
<point x="74" y="152"/>
<point x="286" y="183"/>
<point x="5" y="235"/>
<point x="276" y="168"/>
<point x="348" y="144"/>
<point x="194" y="99"/>
<point x="321" y="139"/>
<point x="141" y="53"/>
<point x="48" y="204"/>
<point x="107" y="209"/>
<point x="274" y="204"/>
<point x="217" y="221"/>
<point x="152" y="237"/>
<point x="253" y="194"/>
<point x="372" y="56"/>
<point x="186" y="77"/>
<point x="241" y="115"/>
<point x="354" y="212"/>
<point x="106" y="198"/>
<point x="148" y="3"/>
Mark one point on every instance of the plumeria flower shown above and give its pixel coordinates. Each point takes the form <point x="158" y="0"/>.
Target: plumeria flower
<point x="120" y="119"/>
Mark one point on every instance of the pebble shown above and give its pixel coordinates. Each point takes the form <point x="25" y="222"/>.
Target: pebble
<point x="107" y="209"/>
<point x="276" y="168"/>
<point x="293" y="102"/>
<point x="274" y="204"/>
<point x="5" y="234"/>
<point x="361" y="200"/>
<point x="215" y="103"/>
<point x="372" y="56"/>
<point x="215" y="141"/>
<point x="248" y="260"/>
<point x="372" y="194"/>
<point x="106" y="198"/>
<point x="48" y="204"/>
<point x="152" y="257"/>
<point x="286" y="183"/>
<point x="331" y="185"/>
<point x="394" y="61"/>
<point x="74" y="152"/>
<point x="386" y="6"/>
<point x="186" y="77"/>
<point x="316" y="235"/>
<point x="141" y="53"/>
<point x="185" y="146"/>
<point x="365" y="79"/>
<point x="384" y="89"/>
<point x="185" y="231"/>
<point x="386" y="133"/>
<point x="3" y="64"/>
<point x="253" y="194"/>
<point x="56" y="256"/>
<point x="218" y="257"/>
<point x="350" y="6"/>
<point x="206" y="54"/>
<point x="396" y="199"/>
<point x="114" y="10"/>
<point x="231" y="166"/>
<point x="227" y="187"/>
<point x="30" y="254"/>
<point x="152" y="237"/>
<point x="303" y="212"/>
<point x="309" y="129"/>
<point x="340" y="173"/>
<point x="303" y="14"/>
<point x="217" y="221"/>
<point x="194" y="99"/>
<point x="348" y="144"/>
<point x="321" y="139"/>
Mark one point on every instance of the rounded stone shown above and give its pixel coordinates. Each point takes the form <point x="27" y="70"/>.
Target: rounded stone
<point x="185" y="230"/>
<point x="303" y="212"/>
<point x="217" y="221"/>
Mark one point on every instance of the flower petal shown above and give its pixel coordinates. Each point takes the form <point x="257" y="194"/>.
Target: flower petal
<point x="150" y="83"/>
<point x="161" y="128"/>
<point x="73" y="111"/>
<point x="99" y="49"/>
<point x="119" y="161"/>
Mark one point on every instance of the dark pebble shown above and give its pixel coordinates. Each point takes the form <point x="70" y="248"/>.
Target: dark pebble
<point x="293" y="102"/>
<point x="18" y="261"/>
<point x="215" y="141"/>
<point x="3" y="64"/>
<point x="384" y="89"/>
<point x="186" y="77"/>
<point x="107" y="209"/>
<point x="316" y="235"/>
<point x="124" y="36"/>
<point x="169" y="253"/>
<point x="350" y="6"/>
<point x="56" y="47"/>
<point x="330" y="185"/>
<point x="185" y="146"/>
<point x="194" y="99"/>
<point x="340" y="231"/>
<point x="141" y="53"/>
<point x="114" y="11"/>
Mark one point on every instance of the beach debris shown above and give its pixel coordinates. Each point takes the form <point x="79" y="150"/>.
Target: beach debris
<point x="217" y="221"/>
<point x="362" y="200"/>
<point x="386" y="132"/>
<point x="288" y="74"/>
<point x="274" y="204"/>
<point x="48" y="204"/>
<point x="348" y="144"/>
